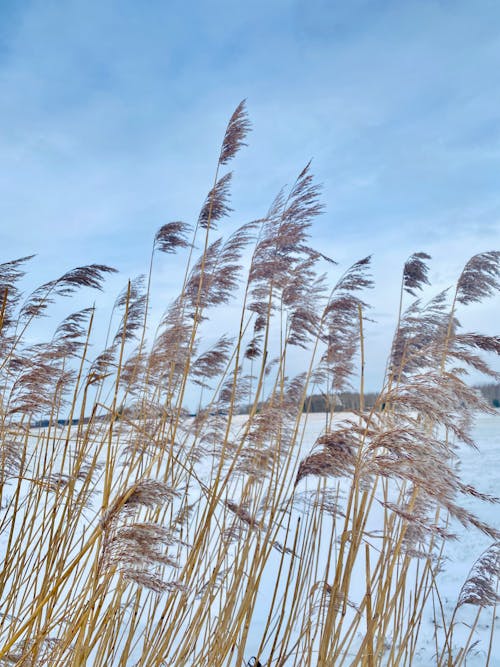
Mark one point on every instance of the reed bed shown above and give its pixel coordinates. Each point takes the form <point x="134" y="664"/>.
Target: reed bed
<point x="134" y="534"/>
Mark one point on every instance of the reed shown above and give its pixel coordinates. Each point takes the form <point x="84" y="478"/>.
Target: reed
<point x="134" y="534"/>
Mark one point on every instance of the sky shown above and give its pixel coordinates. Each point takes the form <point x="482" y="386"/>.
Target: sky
<point x="113" y="113"/>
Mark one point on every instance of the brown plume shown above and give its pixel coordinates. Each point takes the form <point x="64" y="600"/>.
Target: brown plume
<point x="216" y="205"/>
<point x="171" y="236"/>
<point x="415" y="272"/>
<point x="480" y="277"/>
<point x="236" y="132"/>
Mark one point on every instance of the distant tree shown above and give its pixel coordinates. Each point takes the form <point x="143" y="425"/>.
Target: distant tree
<point x="491" y="393"/>
<point x="344" y="401"/>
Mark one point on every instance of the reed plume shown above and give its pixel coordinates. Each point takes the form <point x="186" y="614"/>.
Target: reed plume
<point x="236" y="132"/>
<point x="136" y="532"/>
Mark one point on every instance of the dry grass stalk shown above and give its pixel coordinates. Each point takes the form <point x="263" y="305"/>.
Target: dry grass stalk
<point x="140" y="535"/>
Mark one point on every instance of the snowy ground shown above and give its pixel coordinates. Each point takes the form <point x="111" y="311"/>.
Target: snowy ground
<point x="480" y="469"/>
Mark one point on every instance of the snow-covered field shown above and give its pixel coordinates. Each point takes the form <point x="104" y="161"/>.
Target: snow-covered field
<point x="480" y="469"/>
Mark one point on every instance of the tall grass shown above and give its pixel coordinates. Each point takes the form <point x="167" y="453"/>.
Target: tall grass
<point x="135" y="534"/>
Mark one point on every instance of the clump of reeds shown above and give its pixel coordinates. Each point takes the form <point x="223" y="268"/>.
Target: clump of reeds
<point x="135" y="534"/>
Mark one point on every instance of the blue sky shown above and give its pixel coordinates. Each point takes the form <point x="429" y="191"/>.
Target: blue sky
<point x="112" y="114"/>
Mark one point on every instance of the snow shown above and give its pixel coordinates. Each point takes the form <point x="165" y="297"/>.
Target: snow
<point x="480" y="469"/>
